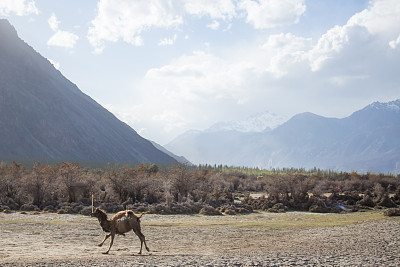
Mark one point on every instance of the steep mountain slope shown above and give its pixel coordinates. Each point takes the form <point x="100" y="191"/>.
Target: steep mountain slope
<point x="43" y="116"/>
<point x="368" y="140"/>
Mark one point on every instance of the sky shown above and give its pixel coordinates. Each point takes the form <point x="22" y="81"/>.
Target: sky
<point x="167" y="66"/>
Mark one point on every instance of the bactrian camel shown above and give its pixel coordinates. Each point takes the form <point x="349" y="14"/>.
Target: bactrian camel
<point x="120" y="223"/>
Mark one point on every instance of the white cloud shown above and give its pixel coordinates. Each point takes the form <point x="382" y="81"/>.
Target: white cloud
<point x="394" y="43"/>
<point x="60" y="38"/>
<point x="19" y="7"/>
<point x="63" y="39"/>
<point x="329" y="45"/>
<point x="167" y="41"/>
<point x="285" y="50"/>
<point x="263" y="14"/>
<point x="53" y="22"/>
<point x="214" y="25"/>
<point x="198" y="77"/>
<point x="381" y="18"/>
<point x="287" y="42"/>
<point x="379" y="24"/>
<point x="215" y="9"/>
<point x="127" y="20"/>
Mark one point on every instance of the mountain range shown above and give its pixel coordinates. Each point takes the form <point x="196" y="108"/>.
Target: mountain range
<point x="45" y="117"/>
<point x="259" y="122"/>
<point x="367" y="140"/>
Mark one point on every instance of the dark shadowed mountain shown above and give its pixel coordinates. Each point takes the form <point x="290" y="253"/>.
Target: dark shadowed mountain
<point x="368" y="140"/>
<point x="43" y="116"/>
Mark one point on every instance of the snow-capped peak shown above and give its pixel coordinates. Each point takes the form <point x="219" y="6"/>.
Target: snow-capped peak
<point x="255" y="123"/>
<point x="392" y="105"/>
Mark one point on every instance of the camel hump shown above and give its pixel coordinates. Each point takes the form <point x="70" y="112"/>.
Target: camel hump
<point x="130" y="213"/>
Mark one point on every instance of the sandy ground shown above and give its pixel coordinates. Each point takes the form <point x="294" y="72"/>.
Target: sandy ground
<point x="263" y="239"/>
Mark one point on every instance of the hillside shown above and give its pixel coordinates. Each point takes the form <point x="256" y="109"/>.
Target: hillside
<point x="44" y="116"/>
<point x="365" y="141"/>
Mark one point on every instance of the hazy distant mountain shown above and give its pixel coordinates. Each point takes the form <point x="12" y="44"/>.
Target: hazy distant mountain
<point x="368" y="140"/>
<point x="43" y="116"/>
<point x="256" y="123"/>
<point x="179" y="159"/>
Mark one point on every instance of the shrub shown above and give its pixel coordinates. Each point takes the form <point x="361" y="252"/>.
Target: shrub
<point x="49" y="208"/>
<point x="386" y="202"/>
<point x="392" y="212"/>
<point x="396" y="197"/>
<point x="366" y="201"/>
<point x="65" y="210"/>
<point x="318" y="205"/>
<point x="29" y="207"/>
<point x="209" y="210"/>
<point x="235" y="209"/>
<point x="86" y="211"/>
<point x="111" y="207"/>
<point x="278" y="207"/>
<point x="10" y="203"/>
<point x="3" y="208"/>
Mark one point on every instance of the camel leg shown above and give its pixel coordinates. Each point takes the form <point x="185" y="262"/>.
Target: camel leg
<point x="111" y="243"/>
<point x="141" y="246"/>
<point x="105" y="238"/>
<point x="142" y="240"/>
<point x="136" y="229"/>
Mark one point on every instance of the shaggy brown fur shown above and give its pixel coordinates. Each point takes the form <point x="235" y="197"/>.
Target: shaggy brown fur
<point x="121" y="223"/>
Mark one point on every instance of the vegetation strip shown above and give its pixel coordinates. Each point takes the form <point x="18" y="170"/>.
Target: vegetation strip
<point x="180" y="189"/>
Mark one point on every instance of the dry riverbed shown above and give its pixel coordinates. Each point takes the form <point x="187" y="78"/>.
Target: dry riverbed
<point x="258" y="239"/>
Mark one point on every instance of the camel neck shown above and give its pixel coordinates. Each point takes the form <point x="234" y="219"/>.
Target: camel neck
<point x="105" y="224"/>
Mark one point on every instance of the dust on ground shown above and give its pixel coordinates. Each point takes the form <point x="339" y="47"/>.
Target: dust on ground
<point x="258" y="239"/>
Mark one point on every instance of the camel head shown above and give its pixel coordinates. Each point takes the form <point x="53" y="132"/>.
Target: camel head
<point x="103" y="219"/>
<point x="99" y="214"/>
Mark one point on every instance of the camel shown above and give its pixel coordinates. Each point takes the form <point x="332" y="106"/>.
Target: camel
<point x="121" y="223"/>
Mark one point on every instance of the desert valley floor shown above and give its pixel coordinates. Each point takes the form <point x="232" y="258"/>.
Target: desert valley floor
<point x="257" y="239"/>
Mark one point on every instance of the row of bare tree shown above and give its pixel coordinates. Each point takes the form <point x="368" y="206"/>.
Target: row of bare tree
<point x="69" y="182"/>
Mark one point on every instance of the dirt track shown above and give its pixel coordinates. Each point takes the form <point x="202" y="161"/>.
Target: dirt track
<point x="248" y="240"/>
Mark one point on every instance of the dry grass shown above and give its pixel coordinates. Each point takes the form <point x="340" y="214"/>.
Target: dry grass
<point x="271" y="221"/>
<point x="28" y="221"/>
